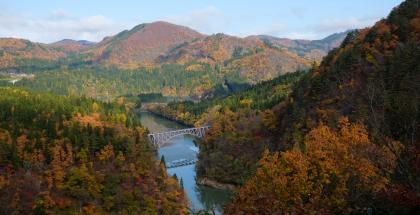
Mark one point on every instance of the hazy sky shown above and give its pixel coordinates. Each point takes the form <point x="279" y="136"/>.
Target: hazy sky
<point x="52" y="20"/>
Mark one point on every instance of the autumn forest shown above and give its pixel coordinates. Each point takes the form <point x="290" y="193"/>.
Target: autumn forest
<point x="328" y="126"/>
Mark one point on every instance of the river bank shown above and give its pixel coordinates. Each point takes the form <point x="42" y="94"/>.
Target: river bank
<point x="183" y="147"/>
<point x="215" y="184"/>
<point x="200" y="180"/>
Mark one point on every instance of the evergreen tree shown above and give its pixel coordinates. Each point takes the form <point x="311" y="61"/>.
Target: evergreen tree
<point x="162" y="161"/>
<point x="181" y="183"/>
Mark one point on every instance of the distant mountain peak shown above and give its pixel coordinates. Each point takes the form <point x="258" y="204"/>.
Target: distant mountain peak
<point x="154" y="43"/>
<point x="143" y="44"/>
<point x="72" y="45"/>
<point x="309" y="49"/>
<point x="162" y="26"/>
<point x="82" y="42"/>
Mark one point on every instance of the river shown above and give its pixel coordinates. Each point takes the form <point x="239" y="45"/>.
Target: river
<point x="183" y="147"/>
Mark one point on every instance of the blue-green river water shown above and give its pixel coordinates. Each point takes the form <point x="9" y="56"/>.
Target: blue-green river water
<point x="183" y="147"/>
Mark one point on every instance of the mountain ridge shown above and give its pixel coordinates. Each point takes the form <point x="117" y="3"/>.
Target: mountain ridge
<point x="147" y="44"/>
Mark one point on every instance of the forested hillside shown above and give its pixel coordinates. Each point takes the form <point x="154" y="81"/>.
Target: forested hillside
<point x="344" y="141"/>
<point x="242" y="126"/>
<point x="70" y="45"/>
<point x="153" y="44"/>
<point x="348" y="135"/>
<point x="69" y="155"/>
<point x="258" y="97"/>
<point x="108" y="84"/>
<point x="140" y="46"/>
<point x="156" y="57"/>
<point x="327" y="126"/>
<point x="309" y="49"/>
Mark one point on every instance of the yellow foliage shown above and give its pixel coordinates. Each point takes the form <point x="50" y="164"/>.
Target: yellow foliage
<point x="269" y="119"/>
<point x="106" y="153"/>
<point x="3" y="182"/>
<point x="95" y="107"/>
<point x="246" y="102"/>
<point x="121" y="100"/>
<point x="120" y="158"/>
<point x="194" y="67"/>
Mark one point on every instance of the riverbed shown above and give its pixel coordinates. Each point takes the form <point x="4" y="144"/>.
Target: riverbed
<point x="183" y="147"/>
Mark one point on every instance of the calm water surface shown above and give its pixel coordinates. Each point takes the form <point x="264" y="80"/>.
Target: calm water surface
<point x="183" y="147"/>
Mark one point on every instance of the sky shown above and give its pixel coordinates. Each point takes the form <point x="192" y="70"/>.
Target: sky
<point x="52" y="20"/>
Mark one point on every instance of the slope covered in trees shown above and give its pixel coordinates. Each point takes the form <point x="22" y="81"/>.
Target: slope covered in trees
<point x="260" y="97"/>
<point x="309" y="49"/>
<point x="157" y="43"/>
<point x="242" y="127"/>
<point x="339" y="172"/>
<point x="372" y="81"/>
<point x="108" y="84"/>
<point x="72" y="67"/>
<point x="72" y="45"/>
<point x="69" y="155"/>
<point x="142" y="45"/>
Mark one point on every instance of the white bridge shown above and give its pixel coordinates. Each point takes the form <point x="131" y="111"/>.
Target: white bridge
<point x="159" y="139"/>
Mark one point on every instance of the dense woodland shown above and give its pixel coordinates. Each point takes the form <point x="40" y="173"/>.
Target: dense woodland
<point x="371" y="80"/>
<point x="348" y="132"/>
<point x="107" y="83"/>
<point x="341" y="138"/>
<point x="259" y="97"/>
<point x="70" y="155"/>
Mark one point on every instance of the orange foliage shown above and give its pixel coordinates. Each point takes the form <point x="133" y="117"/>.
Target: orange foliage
<point x="335" y="171"/>
<point x="194" y="67"/>
<point x="106" y="153"/>
<point x="94" y="120"/>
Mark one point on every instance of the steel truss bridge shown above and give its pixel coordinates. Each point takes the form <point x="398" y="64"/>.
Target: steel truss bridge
<point x="159" y="139"/>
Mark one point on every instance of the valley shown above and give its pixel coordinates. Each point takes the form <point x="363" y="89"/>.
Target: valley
<point x="183" y="147"/>
<point x="157" y="57"/>
<point x="292" y="126"/>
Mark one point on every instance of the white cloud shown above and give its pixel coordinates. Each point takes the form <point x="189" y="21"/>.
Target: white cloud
<point x="208" y="20"/>
<point x="301" y="35"/>
<point x="272" y="30"/>
<point x="335" y="25"/>
<point x="56" y="26"/>
<point x="60" y="24"/>
<point x="328" y="27"/>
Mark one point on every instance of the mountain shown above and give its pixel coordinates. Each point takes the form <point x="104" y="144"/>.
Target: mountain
<point x="153" y="44"/>
<point x="343" y="141"/>
<point x="163" y="47"/>
<point x="372" y="77"/>
<point x="212" y="49"/>
<point x="15" y="53"/>
<point x="142" y="45"/>
<point x="346" y="141"/>
<point x="72" y="45"/>
<point x="308" y="49"/>
<point x="249" y="57"/>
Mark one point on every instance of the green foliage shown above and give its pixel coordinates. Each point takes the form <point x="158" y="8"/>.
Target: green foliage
<point x="372" y="79"/>
<point x="60" y="154"/>
<point x="151" y="97"/>
<point x="107" y="84"/>
<point x="232" y="147"/>
<point x="259" y="97"/>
